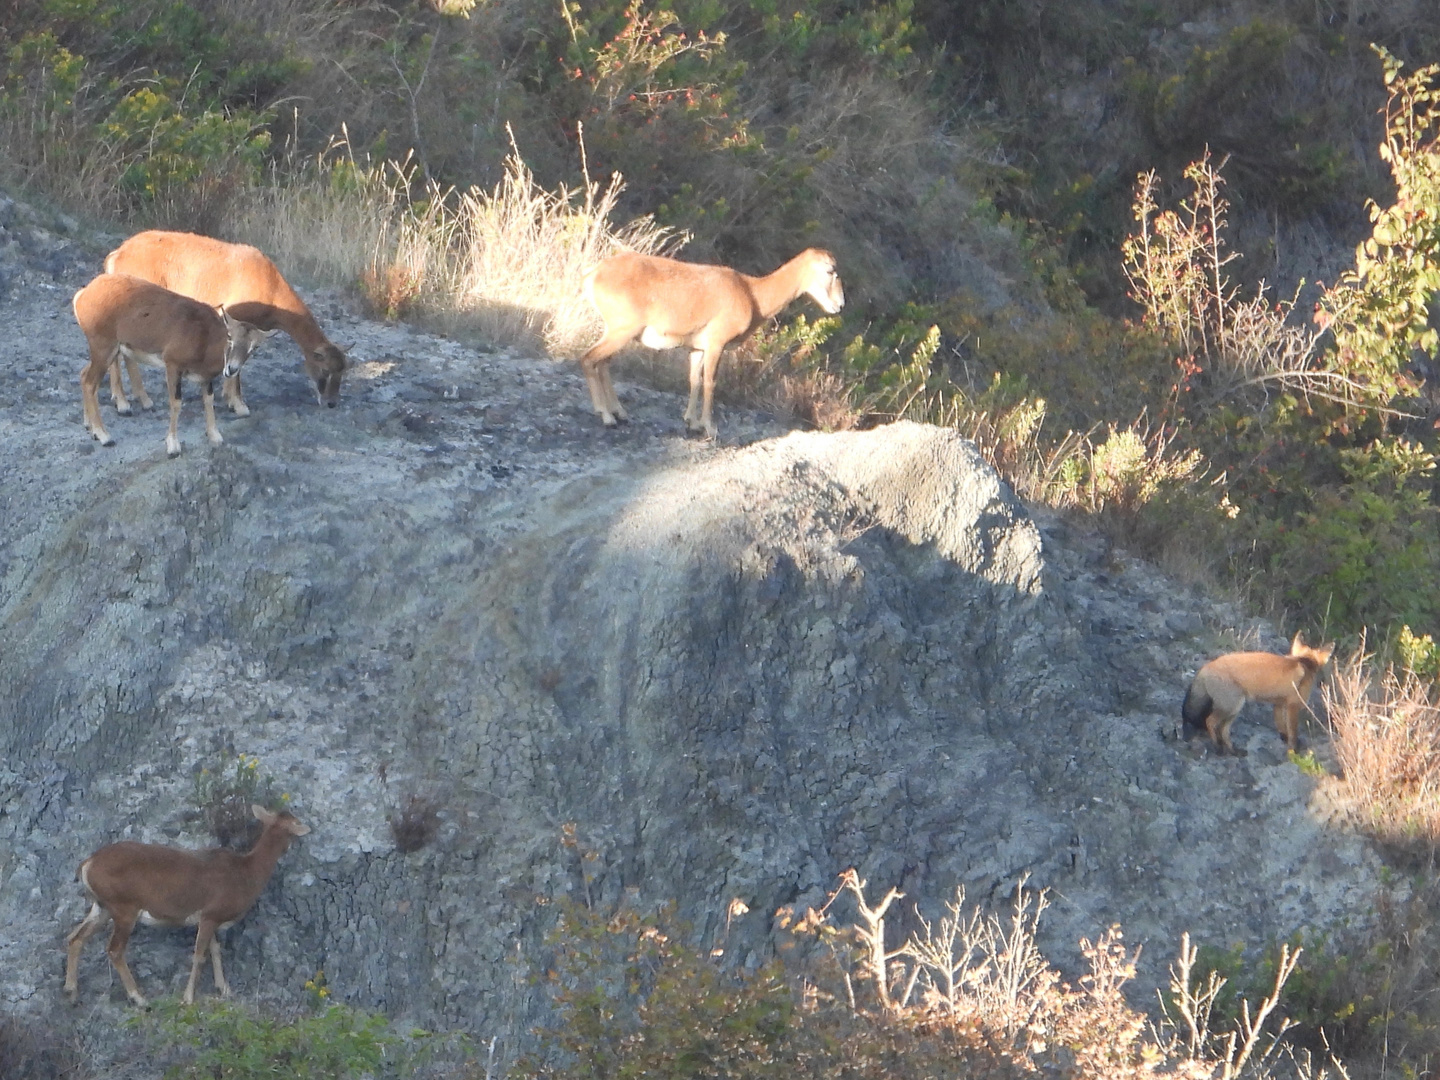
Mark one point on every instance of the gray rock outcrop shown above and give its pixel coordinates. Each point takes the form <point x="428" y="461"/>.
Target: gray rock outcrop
<point x="736" y="669"/>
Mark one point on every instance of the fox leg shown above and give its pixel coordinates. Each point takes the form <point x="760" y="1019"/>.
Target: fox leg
<point x="1218" y="725"/>
<point x="1287" y="722"/>
<point x="1226" y="701"/>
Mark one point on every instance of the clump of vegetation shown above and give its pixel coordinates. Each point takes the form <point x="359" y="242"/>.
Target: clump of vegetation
<point x="414" y="823"/>
<point x="1366" y="999"/>
<point x="230" y="1041"/>
<point x="1386" y="735"/>
<point x="80" y="122"/>
<point x="224" y="793"/>
<point x="219" y="1040"/>
<point x="31" y="1050"/>
<point x="969" y="994"/>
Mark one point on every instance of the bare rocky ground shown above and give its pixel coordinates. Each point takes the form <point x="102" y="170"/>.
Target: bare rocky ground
<point x="737" y="668"/>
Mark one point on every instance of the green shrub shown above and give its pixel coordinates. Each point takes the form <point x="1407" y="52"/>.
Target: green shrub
<point x="1230" y="97"/>
<point x="168" y="150"/>
<point x="1379" y="312"/>
<point x="1360" y="551"/>
<point x="230" y="1041"/>
<point x="1418" y="654"/>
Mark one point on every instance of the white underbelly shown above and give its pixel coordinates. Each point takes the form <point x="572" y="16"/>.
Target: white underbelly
<point x="189" y="920"/>
<point x="151" y="920"/>
<point x="654" y="339"/>
<point x="125" y="352"/>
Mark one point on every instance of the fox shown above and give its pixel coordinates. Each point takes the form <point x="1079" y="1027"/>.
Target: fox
<point x="1221" y="688"/>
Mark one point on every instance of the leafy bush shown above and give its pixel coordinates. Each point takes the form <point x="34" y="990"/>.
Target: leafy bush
<point x="1231" y="96"/>
<point x="1379" y="311"/>
<point x="172" y="146"/>
<point x="229" y="1041"/>
<point x="1418" y="654"/>
<point x="1361" y="550"/>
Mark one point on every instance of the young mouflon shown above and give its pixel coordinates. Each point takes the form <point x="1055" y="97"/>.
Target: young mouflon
<point x="211" y="890"/>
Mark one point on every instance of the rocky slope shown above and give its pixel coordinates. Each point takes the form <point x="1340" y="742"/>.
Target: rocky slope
<point x="738" y="669"/>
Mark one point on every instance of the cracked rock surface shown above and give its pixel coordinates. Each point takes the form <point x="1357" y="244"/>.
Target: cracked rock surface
<point x="737" y="668"/>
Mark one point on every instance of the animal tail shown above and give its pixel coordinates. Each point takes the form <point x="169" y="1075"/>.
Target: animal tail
<point x="1196" y="707"/>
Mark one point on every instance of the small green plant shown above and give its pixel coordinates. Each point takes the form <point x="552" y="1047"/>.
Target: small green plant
<point x="1131" y="466"/>
<point x="1309" y="764"/>
<point x="317" y="987"/>
<point x="1418" y="654"/>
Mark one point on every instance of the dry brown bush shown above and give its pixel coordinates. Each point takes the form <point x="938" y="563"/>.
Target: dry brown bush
<point x="32" y="1049"/>
<point x="979" y="972"/>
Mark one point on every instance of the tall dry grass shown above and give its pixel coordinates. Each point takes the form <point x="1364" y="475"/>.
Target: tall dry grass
<point x="1385" y="727"/>
<point x="43" y="147"/>
<point x="319" y="219"/>
<point x="509" y="263"/>
<point x="505" y="264"/>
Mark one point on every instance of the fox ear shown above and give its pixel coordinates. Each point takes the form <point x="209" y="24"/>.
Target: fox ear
<point x="1298" y="643"/>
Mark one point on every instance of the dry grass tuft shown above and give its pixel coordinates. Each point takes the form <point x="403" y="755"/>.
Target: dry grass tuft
<point x="517" y="256"/>
<point x="818" y="399"/>
<point x="1385" y="729"/>
<point x="31" y="1049"/>
<point x="317" y="219"/>
<point x="506" y="265"/>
